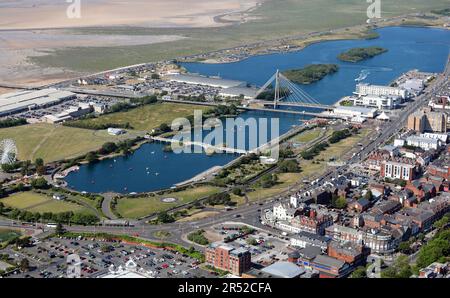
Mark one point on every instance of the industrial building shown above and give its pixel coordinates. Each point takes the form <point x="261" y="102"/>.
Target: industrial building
<point x="236" y="92"/>
<point x="16" y="102"/>
<point x="206" y="81"/>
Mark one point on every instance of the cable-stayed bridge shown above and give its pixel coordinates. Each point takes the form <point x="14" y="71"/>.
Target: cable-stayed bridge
<point x="286" y="93"/>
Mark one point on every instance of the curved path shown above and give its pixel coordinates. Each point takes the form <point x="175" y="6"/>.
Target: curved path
<point x="106" y="205"/>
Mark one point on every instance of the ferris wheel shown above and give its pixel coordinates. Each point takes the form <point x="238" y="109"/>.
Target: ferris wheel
<point x="8" y="151"/>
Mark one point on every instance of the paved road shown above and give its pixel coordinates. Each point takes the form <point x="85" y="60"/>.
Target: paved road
<point x="106" y="205"/>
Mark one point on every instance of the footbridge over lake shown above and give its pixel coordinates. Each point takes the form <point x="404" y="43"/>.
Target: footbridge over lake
<point x="287" y="93"/>
<point x="207" y="147"/>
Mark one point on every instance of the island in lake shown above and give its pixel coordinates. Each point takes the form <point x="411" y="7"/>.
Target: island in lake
<point x="360" y="54"/>
<point x="311" y="73"/>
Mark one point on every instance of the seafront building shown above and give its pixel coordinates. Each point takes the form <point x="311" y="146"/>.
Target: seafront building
<point x="364" y="89"/>
<point x="380" y="102"/>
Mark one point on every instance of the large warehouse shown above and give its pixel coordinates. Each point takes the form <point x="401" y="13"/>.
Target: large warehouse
<point x="15" y="102"/>
<point x="206" y="81"/>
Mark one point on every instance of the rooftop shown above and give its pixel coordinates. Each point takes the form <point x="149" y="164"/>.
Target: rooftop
<point x="284" y="270"/>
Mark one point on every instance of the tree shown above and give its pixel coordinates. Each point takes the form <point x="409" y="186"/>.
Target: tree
<point x="26" y="168"/>
<point x="164" y="127"/>
<point x="59" y="230"/>
<point x="252" y="241"/>
<point x="108" y="147"/>
<point x="359" y="272"/>
<point x="39" y="183"/>
<point x="24" y="265"/>
<point x="237" y="191"/>
<point x="400" y="269"/>
<point x="339" y="203"/>
<point x="436" y="250"/>
<point x="404" y="247"/>
<point x="289" y="166"/>
<point x="91" y="157"/>
<point x="368" y="195"/>
<point x="164" y="217"/>
<point x="442" y="222"/>
<point x="268" y="180"/>
<point x="40" y="167"/>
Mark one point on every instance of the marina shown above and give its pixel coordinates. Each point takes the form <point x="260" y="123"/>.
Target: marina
<point x="424" y="49"/>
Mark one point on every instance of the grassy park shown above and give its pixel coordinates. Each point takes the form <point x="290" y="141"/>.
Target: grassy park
<point x="40" y="203"/>
<point x="147" y="117"/>
<point x="308" y="135"/>
<point x="55" y="142"/>
<point x="142" y="206"/>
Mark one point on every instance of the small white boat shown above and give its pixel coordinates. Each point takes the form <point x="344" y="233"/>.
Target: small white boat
<point x="156" y="174"/>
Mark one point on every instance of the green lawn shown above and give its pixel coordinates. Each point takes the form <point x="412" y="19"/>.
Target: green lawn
<point x="139" y="207"/>
<point x="147" y="117"/>
<point x="35" y="202"/>
<point x="308" y="136"/>
<point x="7" y="235"/>
<point x="285" y="179"/>
<point x="55" y="142"/>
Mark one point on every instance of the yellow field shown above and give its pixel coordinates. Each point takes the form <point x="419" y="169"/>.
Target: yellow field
<point x="55" y="142"/>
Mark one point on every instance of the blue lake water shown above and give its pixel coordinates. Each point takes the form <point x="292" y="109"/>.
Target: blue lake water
<point x="409" y="48"/>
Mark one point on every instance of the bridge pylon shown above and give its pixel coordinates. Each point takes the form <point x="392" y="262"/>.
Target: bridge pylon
<point x="277" y="89"/>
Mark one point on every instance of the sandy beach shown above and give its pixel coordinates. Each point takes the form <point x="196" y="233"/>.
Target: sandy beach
<point x="32" y="14"/>
<point x="30" y="28"/>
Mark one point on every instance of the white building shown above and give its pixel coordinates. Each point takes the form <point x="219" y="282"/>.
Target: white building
<point x="206" y="81"/>
<point x="351" y="112"/>
<point x="399" y="142"/>
<point x="364" y="89"/>
<point x="423" y="142"/>
<point x="236" y="92"/>
<point x="437" y="136"/>
<point x="381" y="102"/>
<point x="398" y="170"/>
<point x="413" y="86"/>
<point x="283" y="212"/>
<point x="116" y="131"/>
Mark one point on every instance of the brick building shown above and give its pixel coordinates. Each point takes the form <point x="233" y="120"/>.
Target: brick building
<point x="228" y="258"/>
